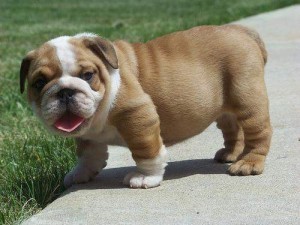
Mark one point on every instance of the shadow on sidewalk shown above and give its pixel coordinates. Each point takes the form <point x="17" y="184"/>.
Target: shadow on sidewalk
<point x="112" y="178"/>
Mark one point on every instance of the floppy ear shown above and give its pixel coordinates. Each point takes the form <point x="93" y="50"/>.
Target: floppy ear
<point x="103" y="48"/>
<point x="24" y="70"/>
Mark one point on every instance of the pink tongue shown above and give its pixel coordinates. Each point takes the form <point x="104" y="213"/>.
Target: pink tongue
<point x="68" y="122"/>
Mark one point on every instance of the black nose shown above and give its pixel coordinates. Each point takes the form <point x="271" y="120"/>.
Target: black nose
<point x="65" y="95"/>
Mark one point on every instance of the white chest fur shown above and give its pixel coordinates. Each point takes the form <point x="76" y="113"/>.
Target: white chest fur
<point x="109" y="135"/>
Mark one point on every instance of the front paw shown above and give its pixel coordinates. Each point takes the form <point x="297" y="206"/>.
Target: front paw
<point x="80" y="174"/>
<point x="139" y="180"/>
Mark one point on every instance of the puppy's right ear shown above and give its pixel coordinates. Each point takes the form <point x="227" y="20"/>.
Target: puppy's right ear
<point x="25" y="65"/>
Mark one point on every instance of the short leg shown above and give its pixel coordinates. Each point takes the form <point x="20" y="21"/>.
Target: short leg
<point x="253" y="115"/>
<point x="92" y="158"/>
<point x="139" y="126"/>
<point x="233" y="138"/>
<point x="149" y="172"/>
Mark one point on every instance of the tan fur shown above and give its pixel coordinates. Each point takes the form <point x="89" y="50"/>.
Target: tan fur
<point x="45" y="63"/>
<point x="175" y="86"/>
<point x="193" y="77"/>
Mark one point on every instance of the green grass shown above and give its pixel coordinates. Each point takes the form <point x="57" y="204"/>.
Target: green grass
<point x="32" y="162"/>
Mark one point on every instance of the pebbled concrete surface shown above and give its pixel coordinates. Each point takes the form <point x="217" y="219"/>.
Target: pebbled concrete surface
<point x="197" y="190"/>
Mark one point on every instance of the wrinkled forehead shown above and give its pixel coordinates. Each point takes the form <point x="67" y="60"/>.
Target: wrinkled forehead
<point x="57" y="55"/>
<point x="45" y="60"/>
<point x="61" y="56"/>
<point x="65" y="53"/>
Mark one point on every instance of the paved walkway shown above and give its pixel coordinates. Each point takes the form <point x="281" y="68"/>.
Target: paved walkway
<point x="196" y="190"/>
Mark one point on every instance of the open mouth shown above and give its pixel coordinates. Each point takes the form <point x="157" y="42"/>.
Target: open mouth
<point x="68" y="122"/>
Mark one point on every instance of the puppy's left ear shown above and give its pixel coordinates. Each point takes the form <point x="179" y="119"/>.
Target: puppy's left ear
<point x="104" y="49"/>
<point x="25" y="65"/>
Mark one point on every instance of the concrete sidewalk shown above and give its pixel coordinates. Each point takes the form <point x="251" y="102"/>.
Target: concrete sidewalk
<point x="197" y="190"/>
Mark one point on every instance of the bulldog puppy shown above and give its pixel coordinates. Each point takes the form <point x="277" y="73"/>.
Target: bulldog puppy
<point x="148" y="95"/>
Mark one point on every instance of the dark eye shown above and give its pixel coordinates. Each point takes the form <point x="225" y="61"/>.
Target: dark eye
<point x="87" y="76"/>
<point x="39" y="84"/>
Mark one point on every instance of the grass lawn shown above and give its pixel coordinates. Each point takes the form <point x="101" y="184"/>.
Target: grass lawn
<point x="32" y="162"/>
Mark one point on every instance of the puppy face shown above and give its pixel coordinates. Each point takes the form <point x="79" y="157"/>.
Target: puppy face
<point x="69" y="79"/>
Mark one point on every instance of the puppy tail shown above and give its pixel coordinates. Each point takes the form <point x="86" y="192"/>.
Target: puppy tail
<point x="255" y="36"/>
